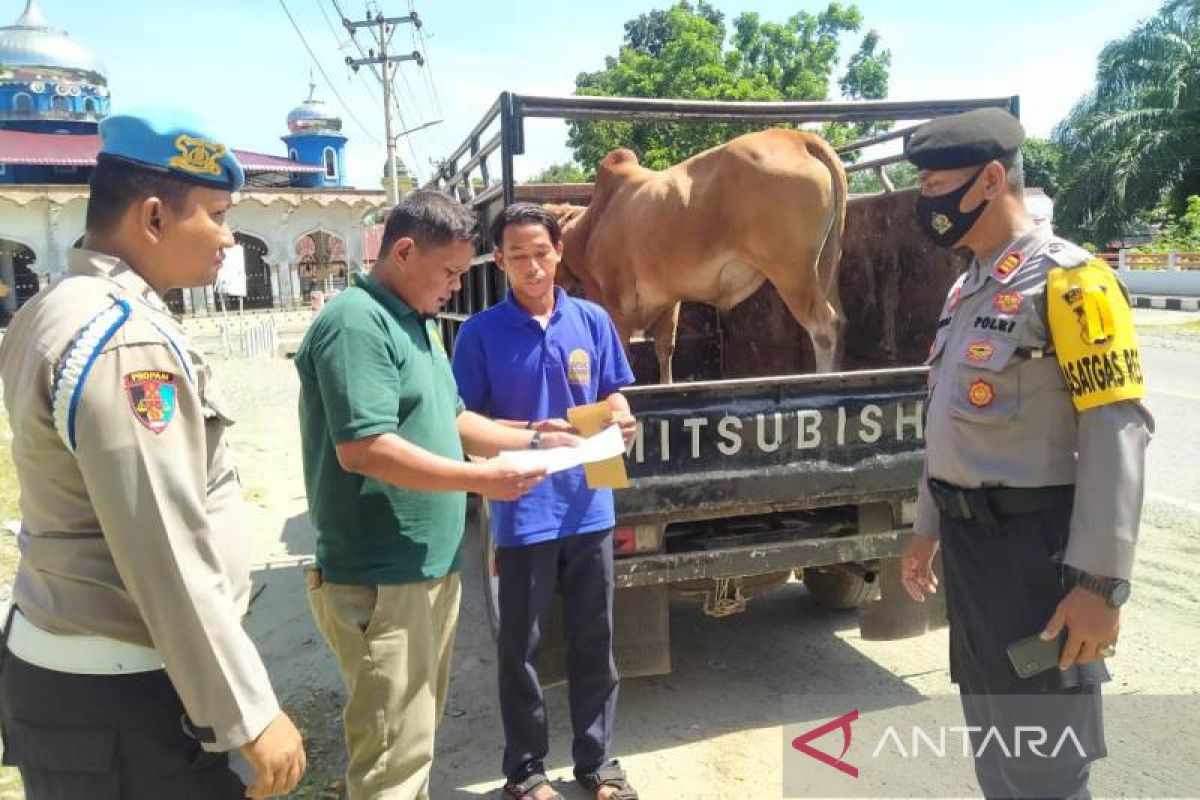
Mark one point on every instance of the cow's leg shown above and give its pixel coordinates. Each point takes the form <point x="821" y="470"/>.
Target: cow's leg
<point x="814" y="311"/>
<point x="665" y="328"/>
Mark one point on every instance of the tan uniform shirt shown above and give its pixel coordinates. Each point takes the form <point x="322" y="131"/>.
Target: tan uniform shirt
<point x="1000" y="413"/>
<point x="139" y="534"/>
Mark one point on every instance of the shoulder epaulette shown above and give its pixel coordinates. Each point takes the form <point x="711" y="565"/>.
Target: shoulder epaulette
<point x="76" y="362"/>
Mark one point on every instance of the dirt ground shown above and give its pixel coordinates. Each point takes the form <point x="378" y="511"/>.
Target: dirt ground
<point x="713" y="728"/>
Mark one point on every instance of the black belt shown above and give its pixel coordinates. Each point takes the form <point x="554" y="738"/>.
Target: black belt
<point x="988" y="504"/>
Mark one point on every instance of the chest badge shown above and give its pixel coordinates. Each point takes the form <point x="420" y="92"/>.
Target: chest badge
<point x="1008" y="302"/>
<point x="980" y="352"/>
<point x="981" y="394"/>
<point x="152" y="398"/>
<point x="579" y="368"/>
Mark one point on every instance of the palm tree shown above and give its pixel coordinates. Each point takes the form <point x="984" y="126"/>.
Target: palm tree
<point x="1134" y="142"/>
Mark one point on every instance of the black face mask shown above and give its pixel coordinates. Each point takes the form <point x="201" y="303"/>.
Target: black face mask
<point x="940" y="218"/>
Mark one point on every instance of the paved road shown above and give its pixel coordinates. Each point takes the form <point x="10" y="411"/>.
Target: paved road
<point x="1172" y="367"/>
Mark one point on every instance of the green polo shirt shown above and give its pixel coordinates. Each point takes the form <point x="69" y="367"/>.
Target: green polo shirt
<point x="371" y="365"/>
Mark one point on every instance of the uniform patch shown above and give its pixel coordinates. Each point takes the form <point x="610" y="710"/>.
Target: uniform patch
<point x="981" y="351"/>
<point x="1008" y="302"/>
<point x="1093" y="333"/>
<point x="152" y="398"/>
<point x="981" y="394"/>
<point x="940" y="223"/>
<point x="579" y="368"/>
<point x="1008" y="265"/>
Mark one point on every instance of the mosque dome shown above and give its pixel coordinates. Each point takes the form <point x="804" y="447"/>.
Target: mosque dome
<point x="313" y="116"/>
<point x="31" y="45"/>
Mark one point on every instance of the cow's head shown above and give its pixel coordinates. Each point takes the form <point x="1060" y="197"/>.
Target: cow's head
<point x="569" y="217"/>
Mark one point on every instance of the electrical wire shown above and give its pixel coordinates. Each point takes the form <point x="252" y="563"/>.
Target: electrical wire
<point x="321" y="69"/>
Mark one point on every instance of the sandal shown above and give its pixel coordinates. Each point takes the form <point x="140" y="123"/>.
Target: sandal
<point x="526" y="788"/>
<point x="609" y="776"/>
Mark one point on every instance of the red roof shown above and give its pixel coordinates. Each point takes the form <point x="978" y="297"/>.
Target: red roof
<point x="79" y="150"/>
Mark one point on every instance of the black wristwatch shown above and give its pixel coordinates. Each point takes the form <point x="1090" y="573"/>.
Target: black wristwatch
<point x="1115" y="591"/>
<point x="535" y="441"/>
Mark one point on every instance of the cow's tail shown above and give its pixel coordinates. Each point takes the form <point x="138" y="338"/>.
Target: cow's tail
<point x="831" y="247"/>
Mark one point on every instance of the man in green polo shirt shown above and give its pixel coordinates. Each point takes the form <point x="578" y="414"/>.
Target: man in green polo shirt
<point x="383" y="433"/>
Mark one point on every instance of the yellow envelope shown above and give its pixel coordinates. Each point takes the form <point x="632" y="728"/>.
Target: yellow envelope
<point x="590" y="420"/>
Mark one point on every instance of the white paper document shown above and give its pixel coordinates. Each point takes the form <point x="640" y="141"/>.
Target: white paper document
<point x="604" y="445"/>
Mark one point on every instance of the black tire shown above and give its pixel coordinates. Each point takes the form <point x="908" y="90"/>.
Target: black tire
<point x="836" y="588"/>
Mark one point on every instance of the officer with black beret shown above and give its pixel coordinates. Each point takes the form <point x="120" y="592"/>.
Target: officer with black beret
<point x="1034" y="461"/>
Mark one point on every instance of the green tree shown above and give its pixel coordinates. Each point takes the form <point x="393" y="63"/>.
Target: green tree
<point x="903" y="175"/>
<point x="1041" y="159"/>
<point x="405" y="181"/>
<point x="687" y="51"/>
<point x="1132" y="143"/>
<point x="560" y="173"/>
<point x="1178" y="232"/>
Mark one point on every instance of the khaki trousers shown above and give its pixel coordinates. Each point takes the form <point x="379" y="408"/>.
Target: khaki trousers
<point x="393" y="645"/>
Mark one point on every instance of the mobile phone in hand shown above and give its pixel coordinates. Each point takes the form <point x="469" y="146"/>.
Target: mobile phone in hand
<point x="1033" y="655"/>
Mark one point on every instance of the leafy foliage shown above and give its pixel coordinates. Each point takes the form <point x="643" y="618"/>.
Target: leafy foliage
<point x="560" y="173"/>
<point x="1132" y="143"/>
<point x="1042" y="159"/>
<point x="688" y="51"/>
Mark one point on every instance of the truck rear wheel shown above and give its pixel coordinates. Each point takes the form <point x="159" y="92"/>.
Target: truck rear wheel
<point x="837" y="588"/>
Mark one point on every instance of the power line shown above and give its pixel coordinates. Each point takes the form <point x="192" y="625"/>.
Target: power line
<point x="321" y="69"/>
<point x="369" y="59"/>
<point x="419" y="34"/>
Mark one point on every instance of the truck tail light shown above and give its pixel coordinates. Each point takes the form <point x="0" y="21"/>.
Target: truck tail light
<point x="630" y="539"/>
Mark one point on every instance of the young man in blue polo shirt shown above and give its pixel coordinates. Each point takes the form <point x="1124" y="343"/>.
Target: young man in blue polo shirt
<point x="524" y="362"/>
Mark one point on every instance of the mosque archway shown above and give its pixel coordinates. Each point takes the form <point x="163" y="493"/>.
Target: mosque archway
<point x="18" y="281"/>
<point x="323" y="265"/>
<point x="258" y="273"/>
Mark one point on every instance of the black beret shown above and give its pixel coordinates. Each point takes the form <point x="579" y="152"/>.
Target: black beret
<point x="964" y="140"/>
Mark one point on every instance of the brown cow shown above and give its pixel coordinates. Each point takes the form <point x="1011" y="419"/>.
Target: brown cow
<point x="765" y="206"/>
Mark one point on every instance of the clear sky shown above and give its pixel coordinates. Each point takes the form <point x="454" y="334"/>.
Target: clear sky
<point x="240" y="64"/>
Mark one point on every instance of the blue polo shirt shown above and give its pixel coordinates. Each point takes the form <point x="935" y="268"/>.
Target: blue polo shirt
<point x="508" y="367"/>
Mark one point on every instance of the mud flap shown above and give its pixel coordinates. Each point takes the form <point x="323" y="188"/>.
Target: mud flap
<point x="894" y="615"/>
<point x="641" y="639"/>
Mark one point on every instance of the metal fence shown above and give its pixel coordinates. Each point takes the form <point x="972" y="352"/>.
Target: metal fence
<point x="1170" y="261"/>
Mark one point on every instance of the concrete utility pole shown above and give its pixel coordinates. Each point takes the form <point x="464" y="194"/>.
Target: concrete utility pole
<point x="383" y="28"/>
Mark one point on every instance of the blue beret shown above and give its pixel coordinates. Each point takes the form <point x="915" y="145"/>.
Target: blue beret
<point x="174" y="142"/>
<point x="965" y="140"/>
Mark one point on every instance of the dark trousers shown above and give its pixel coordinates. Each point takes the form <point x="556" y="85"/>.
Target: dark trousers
<point x="1003" y="583"/>
<point x="581" y="568"/>
<point x="104" y="737"/>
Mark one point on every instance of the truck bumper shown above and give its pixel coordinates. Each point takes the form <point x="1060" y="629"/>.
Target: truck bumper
<point x="757" y="559"/>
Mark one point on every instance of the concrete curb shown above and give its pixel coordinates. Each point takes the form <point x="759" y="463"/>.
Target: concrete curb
<point x="1166" y="303"/>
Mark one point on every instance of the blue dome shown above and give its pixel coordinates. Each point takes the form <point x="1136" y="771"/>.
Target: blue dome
<point x="31" y="45"/>
<point x="313" y="116"/>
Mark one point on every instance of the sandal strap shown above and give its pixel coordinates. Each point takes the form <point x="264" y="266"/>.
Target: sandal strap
<point x="610" y="776"/>
<point x="519" y="791"/>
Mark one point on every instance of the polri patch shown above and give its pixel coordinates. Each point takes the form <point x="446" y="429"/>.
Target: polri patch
<point x="1008" y="302"/>
<point x="980" y="352"/>
<point x="152" y="397"/>
<point x="981" y="394"/>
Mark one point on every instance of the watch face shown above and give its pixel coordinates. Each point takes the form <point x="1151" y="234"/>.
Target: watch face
<point x="1119" y="594"/>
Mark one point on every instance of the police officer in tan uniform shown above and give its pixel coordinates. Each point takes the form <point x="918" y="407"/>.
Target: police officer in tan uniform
<point x="126" y="672"/>
<point x="1035" y="444"/>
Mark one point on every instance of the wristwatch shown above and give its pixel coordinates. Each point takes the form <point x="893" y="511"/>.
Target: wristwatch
<point x="1115" y="591"/>
<point x="536" y="440"/>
